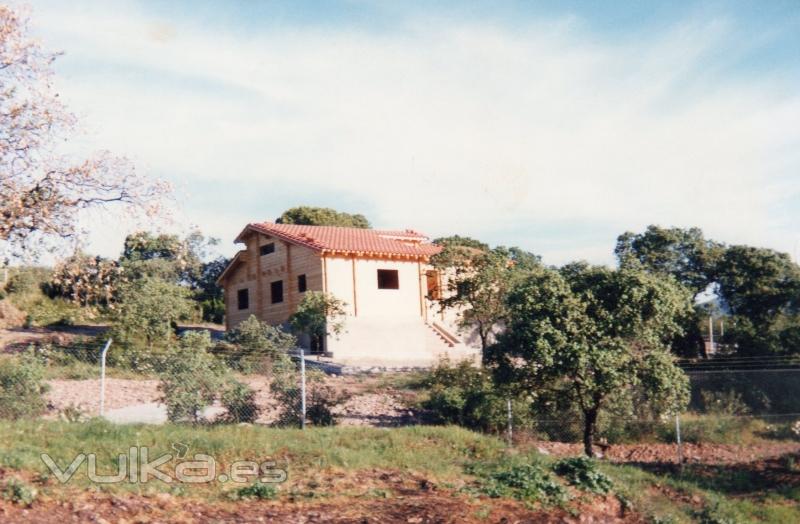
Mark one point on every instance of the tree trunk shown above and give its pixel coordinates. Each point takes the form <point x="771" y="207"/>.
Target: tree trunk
<point x="589" y="427"/>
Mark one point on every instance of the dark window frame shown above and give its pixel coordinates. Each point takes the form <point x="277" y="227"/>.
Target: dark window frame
<point x="302" y="283"/>
<point x="388" y="279"/>
<point x="243" y="299"/>
<point x="266" y="249"/>
<point x="276" y="297"/>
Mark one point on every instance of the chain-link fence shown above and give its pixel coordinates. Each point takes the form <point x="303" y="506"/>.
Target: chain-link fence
<point x="79" y="381"/>
<point x="735" y="404"/>
<point x="739" y="407"/>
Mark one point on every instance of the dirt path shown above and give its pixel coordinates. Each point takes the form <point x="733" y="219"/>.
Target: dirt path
<point x="654" y="453"/>
<point x="418" y="508"/>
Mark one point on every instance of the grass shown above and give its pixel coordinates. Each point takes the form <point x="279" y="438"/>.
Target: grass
<point x="438" y="452"/>
<point x="447" y="456"/>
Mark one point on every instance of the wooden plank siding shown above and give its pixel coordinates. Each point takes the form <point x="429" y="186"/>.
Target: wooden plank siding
<point x="257" y="274"/>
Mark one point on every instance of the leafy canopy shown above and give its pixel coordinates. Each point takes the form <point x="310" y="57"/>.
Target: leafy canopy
<point x="478" y="280"/>
<point x="149" y="309"/>
<point x="683" y="253"/>
<point x="322" y="216"/>
<point x="319" y="314"/>
<point x="759" y="288"/>
<point x="191" y="377"/>
<point x="589" y="333"/>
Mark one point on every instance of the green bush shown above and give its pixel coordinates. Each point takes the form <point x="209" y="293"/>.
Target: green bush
<point x="258" y="490"/>
<point x="18" y="492"/>
<point x="529" y="482"/>
<point x="254" y="346"/>
<point x="239" y="401"/>
<point x="582" y="472"/>
<point x="320" y="399"/>
<point x="465" y="395"/>
<point x="190" y="378"/>
<point x="27" y="280"/>
<point x="22" y="387"/>
<point x="724" y="403"/>
<point x="148" y="311"/>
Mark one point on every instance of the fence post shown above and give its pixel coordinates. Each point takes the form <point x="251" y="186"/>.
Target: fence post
<point x="302" y="389"/>
<point x="103" y="376"/>
<point x="510" y="424"/>
<point x="678" y="438"/>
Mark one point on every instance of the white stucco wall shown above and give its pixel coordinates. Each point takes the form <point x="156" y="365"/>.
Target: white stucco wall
<point x="368" y="300"/>
<point x="385" y="326"/>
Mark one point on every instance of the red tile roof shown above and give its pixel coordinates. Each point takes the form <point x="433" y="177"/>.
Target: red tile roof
<point x="351" y="241"/>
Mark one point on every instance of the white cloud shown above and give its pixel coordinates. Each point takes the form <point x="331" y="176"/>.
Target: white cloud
<point x="471" y="128"/>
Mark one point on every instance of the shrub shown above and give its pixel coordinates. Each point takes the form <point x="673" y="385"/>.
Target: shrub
<point x="253" y="344"/>
<point x="320" y="399"/>
<point x="18" y="492"/>
<point x="257" y="490"/>
<point x="190" y="378"/>
<point x="724" y="403"/>
<point x="22" y="387"/>
<point x="239" y="401"/>
<point x="149" y="309"/>
<point x="530" y="482"/>
<point x="26" y="280"/>
<point x="465" y="395"/>
<point x="582" y="472"/>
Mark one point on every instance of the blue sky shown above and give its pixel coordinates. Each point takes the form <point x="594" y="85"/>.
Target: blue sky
<point x="553" y="126"/>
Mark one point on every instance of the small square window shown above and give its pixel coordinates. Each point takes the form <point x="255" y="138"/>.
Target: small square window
<point x="301" y="284"/>
<point x="266" y="249"/>
<point x="388" y="279"/>
<point x="243" y="298"/>
<point x="276" y="291"/>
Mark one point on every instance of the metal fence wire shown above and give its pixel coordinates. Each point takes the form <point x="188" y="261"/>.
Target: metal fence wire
<point x="734" y="401"/>
<point x="84" y="380"/>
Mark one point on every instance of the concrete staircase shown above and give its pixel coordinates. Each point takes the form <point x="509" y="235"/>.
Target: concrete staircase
<point x="442" y="336"/>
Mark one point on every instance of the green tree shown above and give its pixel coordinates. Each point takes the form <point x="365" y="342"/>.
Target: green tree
<point x="591" y="333"/>
<point x="183" y="261"/>
<point x="761" y="289"/>
<point x="478" y="281"/>
<point x="683" y="253"/>
<point x="191" y="377"/>
<point x="458" y="240"/>
<point x="164" y="256"/>
<point x="149" y="309"/>
<point x="322" y="216"/>
<point x="209" y="293"/>
<point x="255" y="338"/>
<point x="318" y="315"/>
<point x="686" y="255"/>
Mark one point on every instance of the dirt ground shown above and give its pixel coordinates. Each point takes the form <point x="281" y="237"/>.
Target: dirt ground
<point x="655" y="453"/>
<point x="362" y="406"/>
<point x="20" y="337"/>
<point x="421" y="509"/>
<point x="372" y="496"/>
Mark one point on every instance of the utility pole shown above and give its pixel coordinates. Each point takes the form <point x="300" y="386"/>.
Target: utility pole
<point x="711" y="333"/>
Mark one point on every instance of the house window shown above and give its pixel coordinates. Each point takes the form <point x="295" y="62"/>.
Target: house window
<point x="301" y="284"/>
<point x="243" y="298"/>
<point x="276" y="291"/>
<point x="388" y="279"/>
<point x="266" y="249"/>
